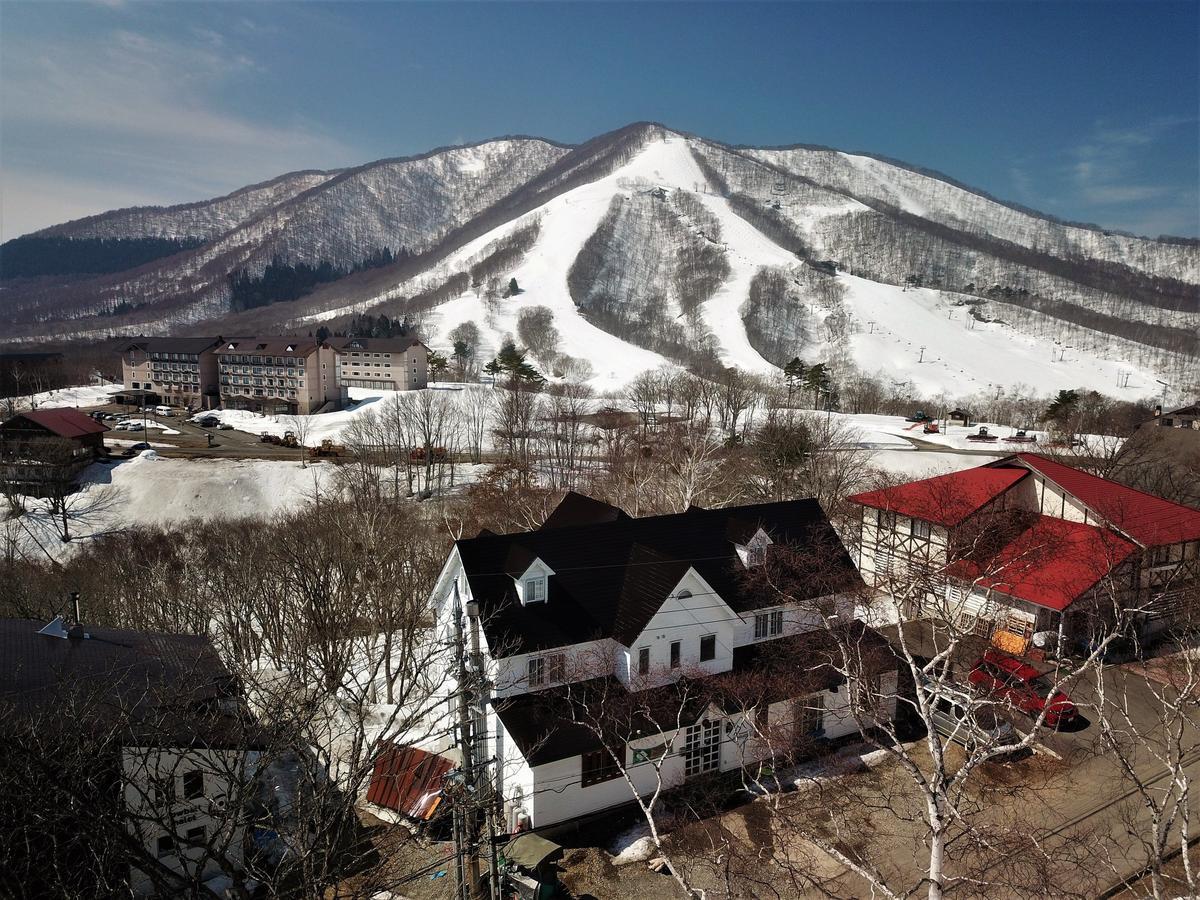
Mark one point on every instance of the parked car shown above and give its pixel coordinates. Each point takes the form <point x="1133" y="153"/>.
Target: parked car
<point x="110" y="417"/>
<point x="164" y="411"/>
<point x="137" y="448"/>
<point x="1008" y="678"/>
<point x="120" y="426"/>
<point x="134" y="426"/>
<point x="209" y="422"/>
<point x="955" y="715"/>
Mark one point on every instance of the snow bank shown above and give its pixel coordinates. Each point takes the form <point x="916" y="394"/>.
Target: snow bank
<point x="152" y="490"/>
<point x="79" y="396"/>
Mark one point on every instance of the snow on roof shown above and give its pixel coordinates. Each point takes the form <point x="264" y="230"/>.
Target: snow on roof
<point x="946" y="499"/>
<point x="1051" y="564"/>
<point x="1149" y="520"/>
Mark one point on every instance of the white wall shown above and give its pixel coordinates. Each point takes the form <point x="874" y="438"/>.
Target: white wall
<point x="592" y="659"/>
<point x="151" y="817"/>
<point x="685" y="619"/>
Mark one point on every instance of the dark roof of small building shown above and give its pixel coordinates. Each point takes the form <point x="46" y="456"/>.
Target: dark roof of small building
<point x="1149" y="520"/>
<point x="374" y="345"/>
<point x="611" y="576"/>
<point x="947" y="500"/>
<point x="64" y="422"/>
<point x="1190" y="410"/>
<point x="195" y="345"/>
<point x="158" y="687"/>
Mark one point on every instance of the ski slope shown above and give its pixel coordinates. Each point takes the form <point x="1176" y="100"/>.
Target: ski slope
<point x="889" y="323"/>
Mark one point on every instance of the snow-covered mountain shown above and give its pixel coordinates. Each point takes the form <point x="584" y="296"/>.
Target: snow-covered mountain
<point x="647" y="246"/>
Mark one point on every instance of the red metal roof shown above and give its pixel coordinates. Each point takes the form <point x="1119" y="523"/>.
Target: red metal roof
<point x="67" y="422"/>
<point x="946" y="499"/>
<point x="408" y="780"/>
<point x="1052" y="563"/>
<point x="1149" y="520"/>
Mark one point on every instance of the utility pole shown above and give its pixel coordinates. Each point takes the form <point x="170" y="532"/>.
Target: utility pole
<point x="478" y="692"/>
<point x="467" y="831"/>
<point x="921" y="359"/>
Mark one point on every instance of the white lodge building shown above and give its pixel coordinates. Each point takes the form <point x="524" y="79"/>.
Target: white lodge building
<point x="645" y="630"/>
<point x="1026" y="544"/>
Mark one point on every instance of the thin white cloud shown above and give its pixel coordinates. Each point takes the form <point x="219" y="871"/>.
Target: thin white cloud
<point x="134" y="114"/>
<point x="1106" y="167"/>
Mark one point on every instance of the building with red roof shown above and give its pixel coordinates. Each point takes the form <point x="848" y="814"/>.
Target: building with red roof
<point x="1026" y="543"/>
<point x="42" y="451"/>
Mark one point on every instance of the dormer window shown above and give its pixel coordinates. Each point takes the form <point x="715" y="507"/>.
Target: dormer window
<point x="532" y="585"/>
<point x="754" y="551"/>
<point x="535" y="589"/>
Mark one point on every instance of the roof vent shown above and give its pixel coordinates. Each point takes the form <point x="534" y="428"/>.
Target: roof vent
<point x="55" y="628"/>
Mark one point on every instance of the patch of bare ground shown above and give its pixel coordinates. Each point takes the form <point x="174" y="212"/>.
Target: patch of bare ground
<point x="589" y="872"/>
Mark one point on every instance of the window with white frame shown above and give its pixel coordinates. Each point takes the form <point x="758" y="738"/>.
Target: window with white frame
<point x="768" y="624"/>
<point x="543" y="670"/>
<point x="702" y="748"/>
<point x="809" y="717"/>
<point x="535" y="589"/>
<point x="921" y="529"/>
<point x="537" y="671"/>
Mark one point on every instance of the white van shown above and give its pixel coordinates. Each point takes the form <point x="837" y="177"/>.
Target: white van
<point x="164" y="411"/>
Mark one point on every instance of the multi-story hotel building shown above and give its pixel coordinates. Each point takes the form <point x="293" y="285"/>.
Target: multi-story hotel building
<point x="179" y="371"/>
<point x="388" y="364"/>
<point x="277" y="375"/>
<point x="273" y="375"/>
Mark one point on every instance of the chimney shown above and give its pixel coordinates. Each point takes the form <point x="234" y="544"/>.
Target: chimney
<point x="1157" y="411"/>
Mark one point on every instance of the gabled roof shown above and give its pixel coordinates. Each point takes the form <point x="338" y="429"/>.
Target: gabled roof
<point x="1149" y="520"/>
<point x="378" y="345"/>
<point x="272" y="345"/>
<point x="946" y="500"/>
<point x="579" y="509"/>
<point x="1190" y="410"/>
<point x="65" y="422"/>
<point x="1052" y="563"/>
<point x="612" y="576"/>
<point x="195" y="345"/>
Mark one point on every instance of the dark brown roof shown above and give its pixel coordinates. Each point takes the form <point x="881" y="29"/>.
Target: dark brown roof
<point x="272" y="345"/>
<point x="65" y="422"/>
<point x="173" y="344"/>
<point x="578" y="509"/>
<point x="802" y="664"/>
<point x="612" y="576"/>
<point x="566" y="721"/>
<point x="157" y="686"/>
<point x="375" y="345"/>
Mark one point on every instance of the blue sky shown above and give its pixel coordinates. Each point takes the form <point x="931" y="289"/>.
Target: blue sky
<point x="1086" y="110"/>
